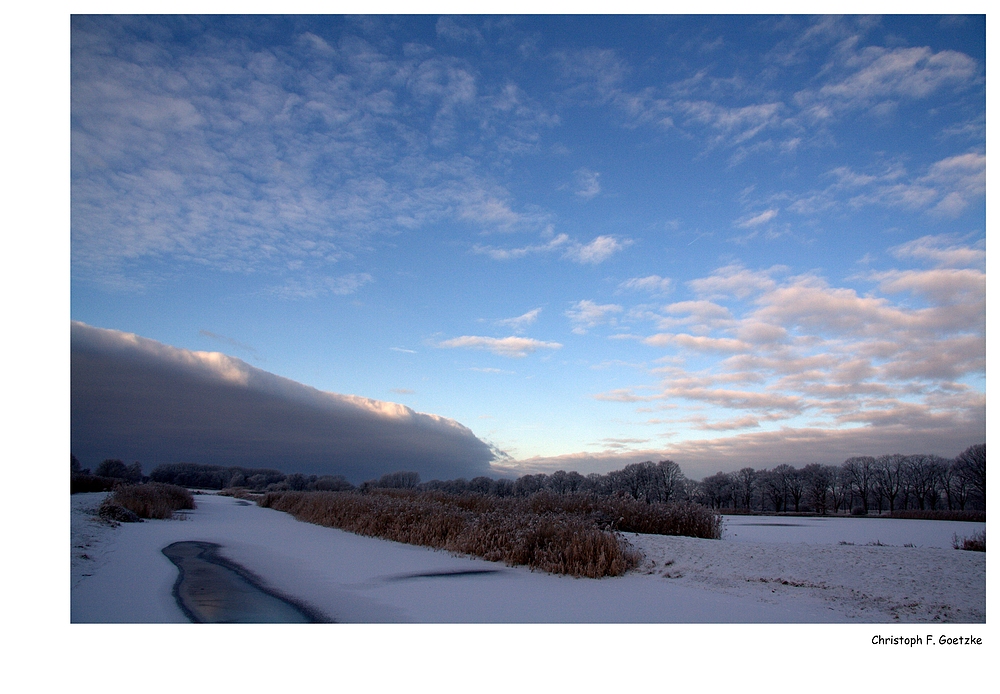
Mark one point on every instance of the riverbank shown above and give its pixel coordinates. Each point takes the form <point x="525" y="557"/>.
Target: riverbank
<point x="121" y="575"/>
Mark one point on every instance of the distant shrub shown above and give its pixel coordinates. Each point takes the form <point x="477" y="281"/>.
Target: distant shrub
<point x="393" y="480"/>
<point x="976" y="543"/>
<point x="333" y="483"/>
<point x="859" y="511"/>
<point x="112" y="468"/>
<point x="152" y="500"/>
<point x="83" y="483"/>
<point x="200" y="476"/>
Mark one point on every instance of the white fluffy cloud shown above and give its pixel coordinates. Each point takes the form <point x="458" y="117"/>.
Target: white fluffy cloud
<point x="773" y="348"/>
<point x="598" y="250"/>
<point x="586" y="314"/>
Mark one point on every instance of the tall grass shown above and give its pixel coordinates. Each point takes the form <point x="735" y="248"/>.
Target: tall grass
<point x="573" y="535"/>
<point x="152" y="500"/>
<point x="976" y="543"/>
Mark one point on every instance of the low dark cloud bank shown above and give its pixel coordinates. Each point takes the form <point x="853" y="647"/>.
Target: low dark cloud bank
<point x="137" y="399"/>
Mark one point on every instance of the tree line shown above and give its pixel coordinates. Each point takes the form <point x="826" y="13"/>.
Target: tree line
<point x="859" y="485"/>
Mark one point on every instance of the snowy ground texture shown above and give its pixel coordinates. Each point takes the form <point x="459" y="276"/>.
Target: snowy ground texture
<point x="765" y="570"/>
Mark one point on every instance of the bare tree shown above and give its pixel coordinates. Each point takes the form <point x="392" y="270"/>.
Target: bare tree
<point x="840" y="487"/>
<point x="796" y="484"/>
<point x="745" y="483"/>
<point x="480" y="485"/>
<point x="923" y="472"/>
<point x="556" y="482"/>
<point x="972" y="463"/>
<point x="670" y="480"/>
<point x="775" y="488"/>
<point x="957" y="485"/>
<point x="112" y="468"/>
<point x="889" y="472"/>
<point x="526" y="485"/>
<point x="817" y="485"/>
<point x="716" y="490"/>
<point x="861" y="471"/>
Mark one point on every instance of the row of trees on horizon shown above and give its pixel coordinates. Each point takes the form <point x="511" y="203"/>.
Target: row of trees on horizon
<point x="859" y="485"/>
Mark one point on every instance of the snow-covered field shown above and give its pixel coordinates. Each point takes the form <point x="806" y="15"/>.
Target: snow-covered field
<point x="751" y="576"/>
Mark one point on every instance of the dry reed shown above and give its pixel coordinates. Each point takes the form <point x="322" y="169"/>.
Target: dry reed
<point x="152" y="500"/>
<point x="574" y="535"/>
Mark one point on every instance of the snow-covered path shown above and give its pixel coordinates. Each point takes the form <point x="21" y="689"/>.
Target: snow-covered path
<point x="126" y="578"/>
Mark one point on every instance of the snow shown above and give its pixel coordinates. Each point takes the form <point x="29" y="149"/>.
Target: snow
<point x="854" y="530"/>
<point x="119" y="574"/>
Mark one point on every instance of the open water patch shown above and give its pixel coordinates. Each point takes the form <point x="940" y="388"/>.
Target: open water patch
<point x="213" y="589"/>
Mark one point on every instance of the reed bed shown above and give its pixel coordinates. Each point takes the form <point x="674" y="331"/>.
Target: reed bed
<point x="572" y="535"/>
<point x="151" y="500"/>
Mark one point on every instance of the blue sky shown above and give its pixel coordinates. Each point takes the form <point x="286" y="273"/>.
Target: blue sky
<point x="723" y="240"/>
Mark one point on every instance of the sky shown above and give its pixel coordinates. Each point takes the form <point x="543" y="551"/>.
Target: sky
<point x="722" y="240"/>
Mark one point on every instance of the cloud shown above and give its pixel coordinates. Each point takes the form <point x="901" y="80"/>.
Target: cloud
<point x="248" y="158"/>
<point x="942" y="251"/>
<point x="876" y="74"/>
<point x="587" y="314"/>
<point x="513" y="253"/>
<point x="450" y="28"/>
<point x="960" y="179"/>
<point x="734" y="125"/>
<point x="519" y="323"/>
<point x="906" y="352"/>
<point x="653" y="284"/>
<point x="756" y="220"/>
<point x="505" y="347"/>
<point x="137" y="399"/>
<point x="593" y="253"/>
<point x="587" y="185"/>
<point x="946" y="188"/>
<point x="594" y="75"/>
<point x="734" y="281"/>
<point x="697" y="343"/>
<point x="311" y="286"/>
<point x="702" y="316"/>
<point x="597" y="251"/>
